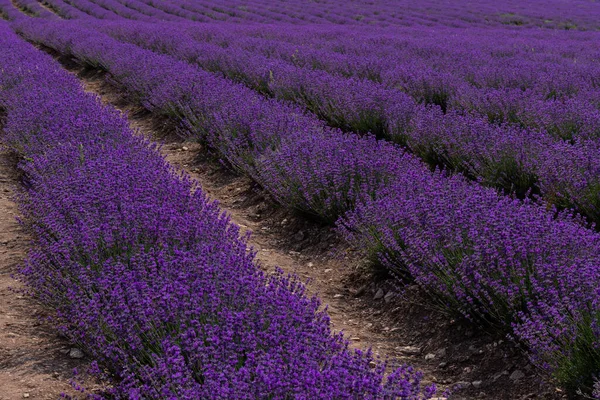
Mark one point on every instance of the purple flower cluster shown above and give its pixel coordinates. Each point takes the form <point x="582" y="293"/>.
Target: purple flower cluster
<point x="332" y="172"/>
<point x="496" y="260"/>
<point x="508" y="14"/>
<point x="33" y="8"/>
<point x="147" y="275"/>
<point x="505" y="138"/>
<point x="512" y="264"/>
<point x="240" y="124"/>
<point x="556" y="14"/>
<point x="478" y="90"/>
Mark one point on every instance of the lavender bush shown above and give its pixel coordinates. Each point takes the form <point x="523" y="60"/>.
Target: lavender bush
<point x="505" y="152"/>
<point x="491" y="258"/>
<point x="147" y="275"/>
<point x="481" y="91"/>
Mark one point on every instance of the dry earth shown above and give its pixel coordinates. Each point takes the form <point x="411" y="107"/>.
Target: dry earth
<point x="35" y="362"/>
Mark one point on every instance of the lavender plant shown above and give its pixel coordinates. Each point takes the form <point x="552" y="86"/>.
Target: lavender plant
<point x="519" y="114"/>
<point x="147" y="275"/>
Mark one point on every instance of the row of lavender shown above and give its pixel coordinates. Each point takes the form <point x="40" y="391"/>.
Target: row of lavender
<point x="150" y="277"/>
<point x="557" y="14"/>
<point x="440" y="70"/>
<point x="541" y="63"/>
<point x="510" y="263"/>
<point x="509" y="157"/>
<point x="514" y="72"/>
<point x="462" y="55"/>
<point x="577" y="15"/>
<point x="33" y="8"/>
<point x="511" y="87"/>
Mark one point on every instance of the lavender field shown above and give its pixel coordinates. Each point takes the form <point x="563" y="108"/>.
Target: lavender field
<point x="453" y="145"/>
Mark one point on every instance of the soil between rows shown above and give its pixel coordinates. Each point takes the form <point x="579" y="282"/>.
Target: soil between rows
<point x="400" y="326"/>
<point x="34" y="360"/>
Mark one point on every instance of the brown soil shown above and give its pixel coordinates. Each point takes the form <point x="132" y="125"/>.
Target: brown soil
<point x="449" y="352"/>
<point x="34" y="360"/>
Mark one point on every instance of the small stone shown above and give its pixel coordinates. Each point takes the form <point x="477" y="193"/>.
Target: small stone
<point x="429" y="356"/>
<point x="75" y="353"/>
<point x="462" y="385"/>
<point x="26" y="395"/>
<point x="388" y="297"/>
<point x="355" y="339"/>
<point x="409" y="350"/>
<point x="337" y="296"/>
<point x="441" y="352"/>
<point x="372" y="364"/>
<point x="360" y="290"/>
<point x="516" y="375"/>
<point x="378" y="295"/>
<point x="477" y="384"/>
<point x="499" y="375"/>
<point x="285" y="221"/>
<point x="443" y="364"/>
<point x="328" y="270"/>
<point x="184" y="148"/>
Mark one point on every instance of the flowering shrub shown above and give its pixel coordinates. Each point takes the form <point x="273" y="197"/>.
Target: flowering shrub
<point x="494" y="124"/>
<point x="520" y="116"/>
<point x="149" y="276"/>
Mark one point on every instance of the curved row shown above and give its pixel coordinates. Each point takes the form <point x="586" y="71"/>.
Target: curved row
<point x="555" y="15"/>
<point x="546" y="90"/>
<point x="33" y="8"/>
<point x="508" y="14"/>
<point x="512" y="264"/>
<point x="444" y="59"/>
<point x="513" y="159"/>
<point x="146" y="274"/>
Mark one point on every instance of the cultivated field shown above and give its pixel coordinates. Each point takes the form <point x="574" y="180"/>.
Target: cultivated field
<point x="256" y="199"/>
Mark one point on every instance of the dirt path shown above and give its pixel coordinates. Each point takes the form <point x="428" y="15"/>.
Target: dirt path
<point x="396" y="323"/>
<point x="34" y="361"/>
